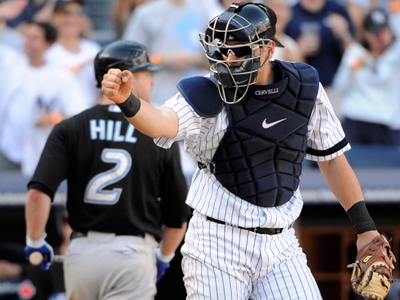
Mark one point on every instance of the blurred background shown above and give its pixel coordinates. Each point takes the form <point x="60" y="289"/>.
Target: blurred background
<point x="354" y="45"/>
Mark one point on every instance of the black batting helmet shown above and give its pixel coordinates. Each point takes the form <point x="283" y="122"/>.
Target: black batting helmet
<point x="123" y="55"/>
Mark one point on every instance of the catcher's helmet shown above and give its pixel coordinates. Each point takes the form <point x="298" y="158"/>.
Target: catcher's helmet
<point x="124" y="55"/>
<point x="253" y="25"/>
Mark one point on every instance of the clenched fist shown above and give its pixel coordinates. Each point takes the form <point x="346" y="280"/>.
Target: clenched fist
<point x="117" y="85"/>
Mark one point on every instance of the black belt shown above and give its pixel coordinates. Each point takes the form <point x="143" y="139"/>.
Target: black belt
<point x="260" y="230"/>
<point x="77" y="234"/>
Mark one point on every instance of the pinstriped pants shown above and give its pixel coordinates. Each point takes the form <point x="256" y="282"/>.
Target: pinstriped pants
<point x="224" y="262"/>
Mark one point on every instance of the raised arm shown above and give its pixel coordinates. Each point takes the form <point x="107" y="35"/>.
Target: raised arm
<point x="120" y="87"/>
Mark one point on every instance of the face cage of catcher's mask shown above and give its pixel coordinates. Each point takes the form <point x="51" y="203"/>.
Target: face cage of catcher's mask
<point x="240" y="78"/>
<point x="214" y="40"/>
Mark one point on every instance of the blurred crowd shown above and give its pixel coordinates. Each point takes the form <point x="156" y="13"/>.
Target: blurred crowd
<point x="47" y="50"/>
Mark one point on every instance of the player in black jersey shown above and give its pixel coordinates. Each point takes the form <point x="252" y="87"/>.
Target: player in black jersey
<point x="126" y="196"/>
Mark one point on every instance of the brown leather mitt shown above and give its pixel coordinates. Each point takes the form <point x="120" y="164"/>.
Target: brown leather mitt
<point x="372" y="275"/>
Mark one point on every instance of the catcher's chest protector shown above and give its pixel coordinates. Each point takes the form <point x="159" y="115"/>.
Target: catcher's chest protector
<point x="259" y="158"/>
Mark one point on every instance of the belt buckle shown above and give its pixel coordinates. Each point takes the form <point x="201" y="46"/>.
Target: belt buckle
<point x="209" y="165"/>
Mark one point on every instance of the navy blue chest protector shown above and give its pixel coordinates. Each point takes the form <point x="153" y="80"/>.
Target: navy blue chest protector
<point x="260" y="156"/>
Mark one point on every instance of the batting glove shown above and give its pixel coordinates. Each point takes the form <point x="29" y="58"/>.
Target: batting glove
<point x="43" y="248"/>
<point x="162" y="263"/>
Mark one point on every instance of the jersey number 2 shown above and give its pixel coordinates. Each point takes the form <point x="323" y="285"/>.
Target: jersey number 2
<point x="95" y="191"/>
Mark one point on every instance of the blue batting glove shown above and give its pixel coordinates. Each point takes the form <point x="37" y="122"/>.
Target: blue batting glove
<point x="162" y="263"/>
<point x="161" y="268"/>
<point x="42" y="247"/>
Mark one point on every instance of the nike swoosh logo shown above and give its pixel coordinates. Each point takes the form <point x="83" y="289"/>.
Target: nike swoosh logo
<point x="266" y="125"/>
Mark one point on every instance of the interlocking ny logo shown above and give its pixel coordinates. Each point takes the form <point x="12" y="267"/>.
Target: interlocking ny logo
<point x="266" y="125"/>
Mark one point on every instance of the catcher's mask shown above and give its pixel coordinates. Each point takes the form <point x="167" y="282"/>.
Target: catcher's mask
<point x="124" y="55"/>
<point x="252" y="25"/>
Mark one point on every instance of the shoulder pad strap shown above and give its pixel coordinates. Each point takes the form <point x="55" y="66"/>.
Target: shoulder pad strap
<point x="306" y="73"/>
<point x="202" y="95"/>
<point x="309" y="76"/>
<point x="312" y="77"/>
<point x="303" y="69"/>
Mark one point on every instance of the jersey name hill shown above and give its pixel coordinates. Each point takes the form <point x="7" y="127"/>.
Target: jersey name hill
<point x="110" y="130"/>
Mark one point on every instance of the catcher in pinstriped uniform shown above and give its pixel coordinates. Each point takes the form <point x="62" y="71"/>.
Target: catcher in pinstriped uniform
<point x="250" y="125"/>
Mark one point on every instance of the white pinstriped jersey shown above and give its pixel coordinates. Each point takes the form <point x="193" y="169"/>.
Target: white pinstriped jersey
<point x="206" y="195"/>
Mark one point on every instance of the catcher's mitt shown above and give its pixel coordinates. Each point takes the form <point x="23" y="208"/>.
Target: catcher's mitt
<point x="372" y="275"/>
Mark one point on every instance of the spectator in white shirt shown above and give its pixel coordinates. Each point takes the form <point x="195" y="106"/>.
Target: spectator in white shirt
<point x="368" y="81"/>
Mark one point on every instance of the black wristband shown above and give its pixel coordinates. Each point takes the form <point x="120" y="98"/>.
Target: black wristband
<point x="130" y="107"/>
<point x="360" y="217"/>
